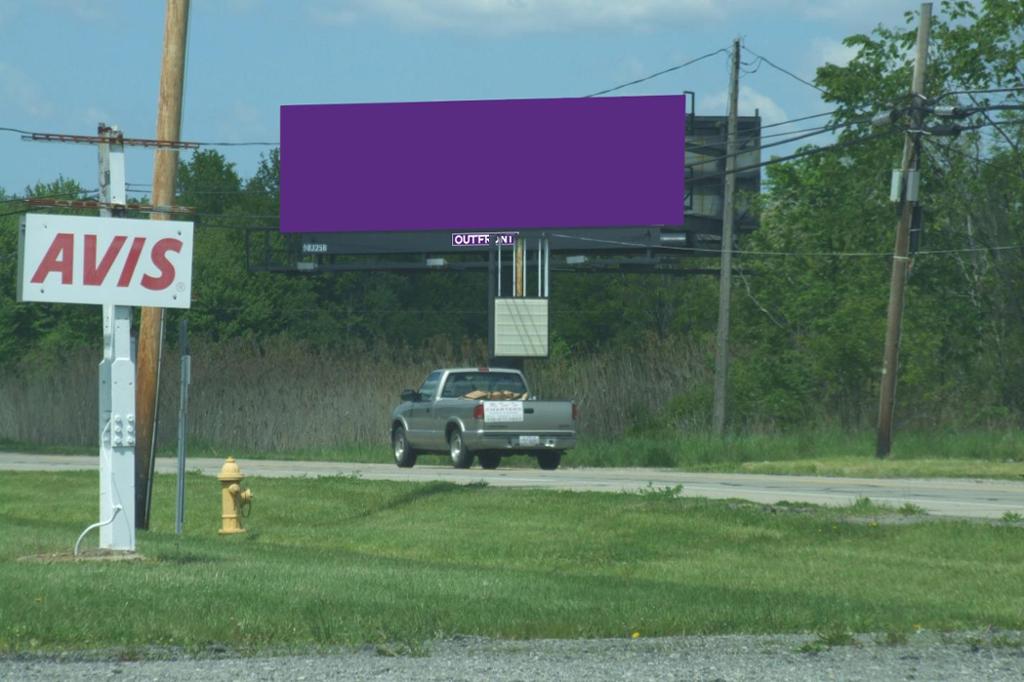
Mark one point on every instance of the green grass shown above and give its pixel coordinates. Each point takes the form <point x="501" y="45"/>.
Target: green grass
<point x="830" y="452"/>
<point x="339" y="561"/>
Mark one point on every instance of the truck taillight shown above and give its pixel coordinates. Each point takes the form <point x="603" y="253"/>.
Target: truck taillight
<point x="478" y="411"/>
<point x="575" y="412"/>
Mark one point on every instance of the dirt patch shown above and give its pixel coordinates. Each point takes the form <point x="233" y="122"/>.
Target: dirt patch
<point x="84" y="555"/>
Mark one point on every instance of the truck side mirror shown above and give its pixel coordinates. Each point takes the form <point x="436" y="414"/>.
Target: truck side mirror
<point x="410" y="396"/>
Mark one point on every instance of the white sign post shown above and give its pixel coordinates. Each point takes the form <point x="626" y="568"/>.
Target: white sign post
<point x="117" y="263"/>
<point x="116" y="389"/>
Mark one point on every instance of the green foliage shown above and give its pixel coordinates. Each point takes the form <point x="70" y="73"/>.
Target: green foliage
<point x="39" y="331"/>
<point x="811" y="290"/>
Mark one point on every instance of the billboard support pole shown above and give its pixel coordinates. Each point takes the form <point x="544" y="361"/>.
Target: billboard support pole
<point x="547" y="268"/>
<point x="725" y="277"/>
<point x="491" y="277"/>
<point x="116" y="382"/>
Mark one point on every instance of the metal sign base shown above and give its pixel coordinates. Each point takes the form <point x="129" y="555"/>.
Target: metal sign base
<point x="117" y="431"/>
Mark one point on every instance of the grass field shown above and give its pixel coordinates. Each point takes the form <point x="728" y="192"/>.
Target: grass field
<point x="339" y="561"/>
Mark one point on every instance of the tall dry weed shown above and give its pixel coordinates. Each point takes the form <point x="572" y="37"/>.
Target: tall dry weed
<point x="284" y="395"/>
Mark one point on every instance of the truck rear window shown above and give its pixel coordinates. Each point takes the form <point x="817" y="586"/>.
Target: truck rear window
<point x="484" y="385"/>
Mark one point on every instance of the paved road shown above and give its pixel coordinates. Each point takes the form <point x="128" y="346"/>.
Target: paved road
<point x="943" y="497"/>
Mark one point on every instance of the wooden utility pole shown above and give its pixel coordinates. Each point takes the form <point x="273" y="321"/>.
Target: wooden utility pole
<point x="151" y="327"/>
<point x="900" y="259"/>
<point x="725" y="276"/>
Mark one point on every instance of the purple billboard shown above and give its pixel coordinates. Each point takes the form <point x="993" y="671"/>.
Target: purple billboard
<point x="483" y="165"/>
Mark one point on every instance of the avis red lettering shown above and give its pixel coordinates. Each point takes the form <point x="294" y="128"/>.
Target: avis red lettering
<point x="60" y="259"/>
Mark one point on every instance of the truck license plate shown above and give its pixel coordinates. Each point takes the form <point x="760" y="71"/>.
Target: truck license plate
<point x="529" y="441"/>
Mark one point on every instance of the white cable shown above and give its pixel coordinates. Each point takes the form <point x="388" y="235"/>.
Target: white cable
<point x="94" y="526"/>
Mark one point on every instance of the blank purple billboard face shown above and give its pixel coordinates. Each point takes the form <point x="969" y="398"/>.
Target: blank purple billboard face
<point x="495" y="164"/>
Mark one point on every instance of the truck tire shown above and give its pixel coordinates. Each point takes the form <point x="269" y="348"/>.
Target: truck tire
<point x="461" y="457"/>
<point x="489" y="460"/>
<point x="549" y="461"/>
<point x="405" y="456"/>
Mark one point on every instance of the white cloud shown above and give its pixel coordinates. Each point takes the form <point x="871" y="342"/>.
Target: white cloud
<point x="332" y="16"/>
<point x="717" y="104"/>
<point x="94" y="115"/>
<point x="558" y="15"/>
<point x="827" y="51"/>
<point x="519" y="15"/>
<point x="884" y="11"/>
<point x="17" y="88"/>
<point x="91" y="10"/>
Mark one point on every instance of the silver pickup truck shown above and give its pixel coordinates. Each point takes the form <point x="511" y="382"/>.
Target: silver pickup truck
<point x="481" y="412"/>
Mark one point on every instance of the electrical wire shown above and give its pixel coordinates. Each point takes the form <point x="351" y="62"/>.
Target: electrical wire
<point x="990" y="123"/>
<point x="794" y="254"/>
<point x="61" y="195"/>
<point x="779" y="68"/>
<point x="989" y="91"/>
<point x="797" y="155"/>
<point x="797" y="120"/>
<point x="812" y="133"/>
<point x="659" y="73"/>
<point x="988" y="117"/>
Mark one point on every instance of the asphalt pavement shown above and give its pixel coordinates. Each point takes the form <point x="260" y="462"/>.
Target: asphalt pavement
<point x="942" y="497"/>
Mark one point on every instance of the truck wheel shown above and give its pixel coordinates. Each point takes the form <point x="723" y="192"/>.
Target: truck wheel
<point x="405" y="456"/>
<point x="489" y="460"/>
<point x="549" y="461"/>
<point x="461" y="457"/>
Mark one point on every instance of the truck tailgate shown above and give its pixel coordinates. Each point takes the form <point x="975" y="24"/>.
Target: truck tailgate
<point x="527" y="415"/>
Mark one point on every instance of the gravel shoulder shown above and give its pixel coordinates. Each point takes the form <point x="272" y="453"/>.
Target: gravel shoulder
<point x="923" y="656"/>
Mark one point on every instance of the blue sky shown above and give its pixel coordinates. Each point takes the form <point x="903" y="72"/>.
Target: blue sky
<point x="66" y="65"/>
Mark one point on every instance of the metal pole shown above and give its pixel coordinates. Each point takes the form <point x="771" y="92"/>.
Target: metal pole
<point x="491" y="272"/>
<point x="540" y="267"/>
<point x="900" y="259"/>
<point x="725" y="277"/>
<point x="547" y="267"/>
<point x="117" y="374"/>
<point x="186" y="379"/>
<point x="165" y="166"/>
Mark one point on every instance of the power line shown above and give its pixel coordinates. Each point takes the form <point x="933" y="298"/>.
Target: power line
<point x="794" y="254"/>
<point x="785" y="71"/>
<point x="797" y="155"/>
<point x="988" y="91"/>
<point x="810" y="133"/>
<point x="797" y="120"/>
<point x="659" y="73"/>
<point x="30" y="133"/>
<point x="15" y="130"/>
<point x="239" y="144"/>
<point x="61" y="195"/>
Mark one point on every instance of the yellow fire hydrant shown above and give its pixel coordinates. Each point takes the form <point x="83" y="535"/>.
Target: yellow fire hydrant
<point x="232" y="497"/>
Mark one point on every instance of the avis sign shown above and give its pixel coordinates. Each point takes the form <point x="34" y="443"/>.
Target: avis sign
<point x="114" y="261"/>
